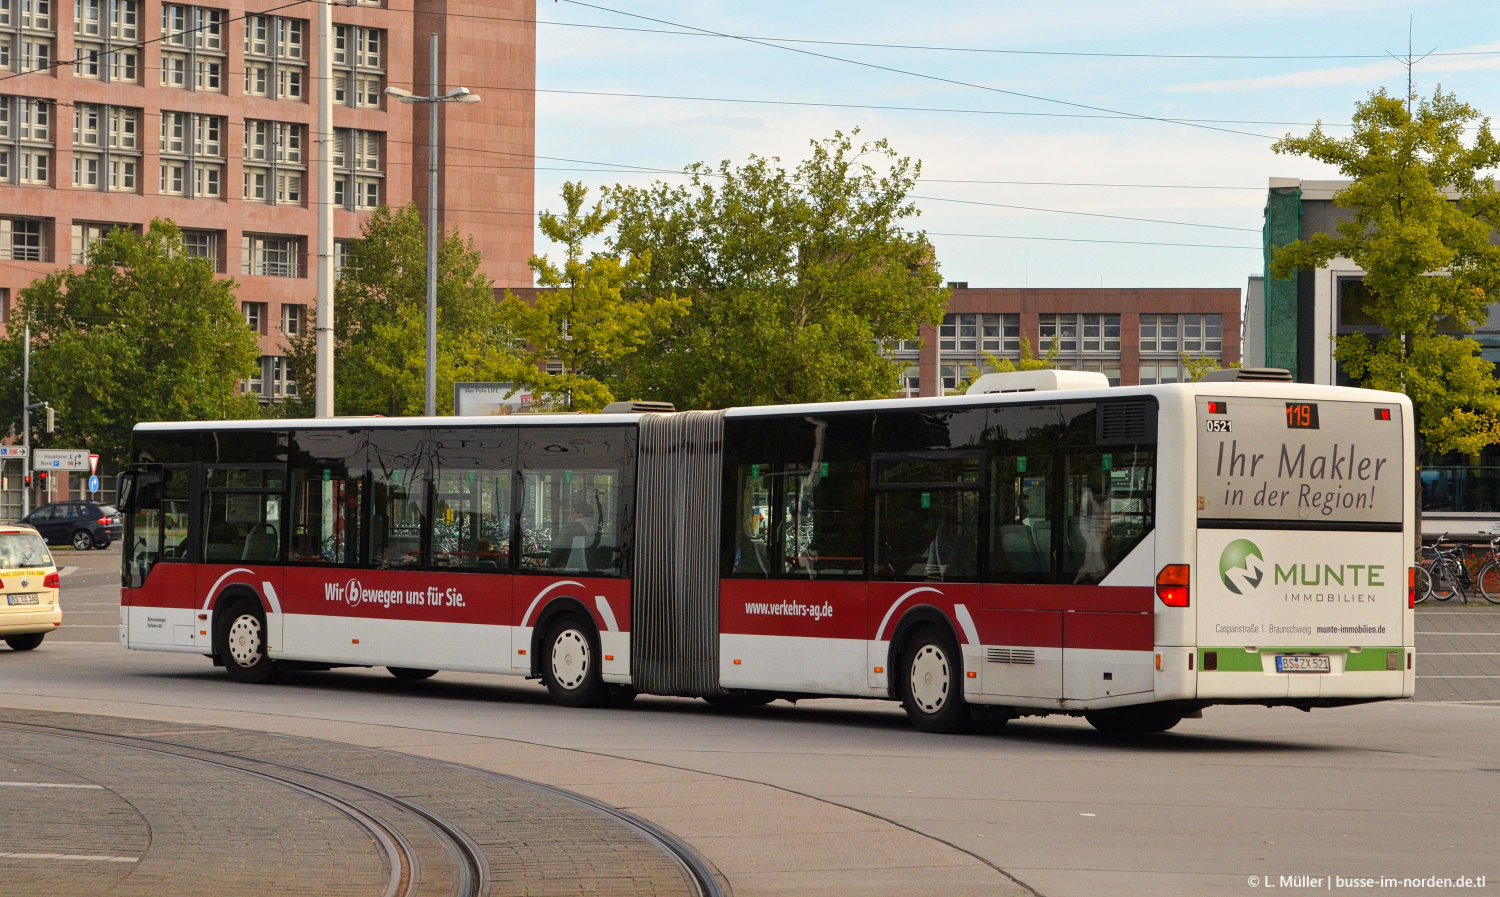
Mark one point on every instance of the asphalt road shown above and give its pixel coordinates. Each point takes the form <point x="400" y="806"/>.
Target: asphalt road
<point x="843" y="797"/>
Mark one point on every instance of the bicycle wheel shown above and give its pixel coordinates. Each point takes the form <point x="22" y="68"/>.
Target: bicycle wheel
<point x="1488" y="581"/>
<point x="1423" y="584"/>
<point x="1445" y="576"/>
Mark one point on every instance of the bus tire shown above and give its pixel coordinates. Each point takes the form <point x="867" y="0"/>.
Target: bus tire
<point x="619" y="696"/>
<point x="931" y="682"/>
<point x="241" y="643"/>
<point x="1145" y="720"/>
<point x="570" y="664"/>
<point x="411" y="674"/>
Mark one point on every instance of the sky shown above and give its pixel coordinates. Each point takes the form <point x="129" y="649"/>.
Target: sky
<point x="1135" y="136"/>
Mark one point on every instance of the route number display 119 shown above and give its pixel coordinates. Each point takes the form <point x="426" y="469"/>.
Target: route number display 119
<point x="1302" y="415"/>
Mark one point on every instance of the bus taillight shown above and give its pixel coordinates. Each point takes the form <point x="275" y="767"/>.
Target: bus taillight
<point x="1411" y="587"/>
<point x="1172" y="585"/>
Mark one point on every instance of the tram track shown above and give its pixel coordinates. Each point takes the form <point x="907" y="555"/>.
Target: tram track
<point x="409" y="835"/>
<point x="377" y="812"/>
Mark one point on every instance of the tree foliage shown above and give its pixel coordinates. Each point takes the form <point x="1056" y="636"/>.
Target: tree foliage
<point x="798" y="279"/>
<point x="380" y="323"/>
<point x="581" y="316"/>
<point x="1422" y="218"/>
<point x="142" y="332"/>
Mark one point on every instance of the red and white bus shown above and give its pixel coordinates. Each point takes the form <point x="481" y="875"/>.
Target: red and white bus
<point x="1046" y="544"/>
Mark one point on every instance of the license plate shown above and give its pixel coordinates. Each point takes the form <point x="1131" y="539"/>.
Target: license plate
<point x="26" y="598"/>
<point x="1302" y="663"/>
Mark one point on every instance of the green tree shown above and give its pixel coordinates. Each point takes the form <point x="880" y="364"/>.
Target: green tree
<point x="142" y="332"/>
<point x="1421" y="225"/>
<point x="581" y="317"/>
<point x="380" y="323"/>
<point x="1196" y="368"/>
<point x="799" y="280"/>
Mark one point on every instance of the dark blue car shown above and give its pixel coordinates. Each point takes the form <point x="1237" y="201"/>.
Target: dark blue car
<point x="84" y="524"/>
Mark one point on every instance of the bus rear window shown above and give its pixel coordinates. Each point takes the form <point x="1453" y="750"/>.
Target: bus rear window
<point x="1318" y="462"/>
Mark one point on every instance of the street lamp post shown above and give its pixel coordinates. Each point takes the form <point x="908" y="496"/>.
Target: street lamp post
<point x="456" y="95"/>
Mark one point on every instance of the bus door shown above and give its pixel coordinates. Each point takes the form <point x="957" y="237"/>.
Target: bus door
<point x="1022" y="620"/>
<point x="240" y="536"/>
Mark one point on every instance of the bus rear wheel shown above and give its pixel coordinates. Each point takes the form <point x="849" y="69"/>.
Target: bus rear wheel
<point x="411" y="674"/>
<point x="1145" y="720"/>
<point x="570" y="664"/>
<point x="241" y="643"/>
<point x="932" y="682"/>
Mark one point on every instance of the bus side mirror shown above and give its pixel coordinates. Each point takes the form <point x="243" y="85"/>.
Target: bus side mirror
<point x="137" y="491"/>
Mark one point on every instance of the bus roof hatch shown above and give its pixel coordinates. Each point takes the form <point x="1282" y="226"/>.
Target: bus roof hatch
<point x="1037" y="381"/>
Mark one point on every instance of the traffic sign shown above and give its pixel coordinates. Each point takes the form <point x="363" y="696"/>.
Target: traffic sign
<point x="60" y="459"/>
<point x="14" y="451"/>
<point x="93" y="465"/>
<point x="94" y="483"/>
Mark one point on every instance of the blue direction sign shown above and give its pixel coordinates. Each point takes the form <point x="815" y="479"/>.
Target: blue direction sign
<point x="94" y="483"/>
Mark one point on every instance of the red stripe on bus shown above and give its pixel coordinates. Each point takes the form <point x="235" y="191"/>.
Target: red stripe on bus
<point x="1109" y="632"/>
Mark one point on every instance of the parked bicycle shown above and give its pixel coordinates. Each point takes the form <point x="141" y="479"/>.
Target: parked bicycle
<point x="1441" y="573"/>
<point x="1488" y="577"/>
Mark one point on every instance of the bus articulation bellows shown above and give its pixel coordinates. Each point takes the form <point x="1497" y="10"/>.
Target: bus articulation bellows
<point x="1045" y="544"/>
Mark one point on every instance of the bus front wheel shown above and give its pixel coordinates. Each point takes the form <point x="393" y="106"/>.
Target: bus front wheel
<point x="932" y="682"/>
<point x="571" y="663"/>
<point x="242" y="643"/>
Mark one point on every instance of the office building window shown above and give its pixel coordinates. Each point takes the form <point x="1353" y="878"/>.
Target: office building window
<point x="205" y="244"/>
<point x="25" y="141"/>
<point x="106" y="35"/>
<point x="1080" y="334"/>
<point x="1196" y="335"/>
<point x="255" y="316"/>
<point x="106" y="147"/>
<point x="340" y="256"/>
<point x="274" y="169"/>
<point x="359" y="65"/>
<point x="995" y="333"/>
<point x="292" y="316"/>
<point x="87" y="235"/>
<point x="275" y="57"/>
<point x="357" y="170"/>
<point x="26" y="239"/>
<point x="270" y="255"/>
<point x="192" y="149"/>
<point x="273" y="380"/>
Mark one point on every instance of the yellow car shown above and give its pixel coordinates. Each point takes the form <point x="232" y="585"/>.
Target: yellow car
<point x="28" y="588"/>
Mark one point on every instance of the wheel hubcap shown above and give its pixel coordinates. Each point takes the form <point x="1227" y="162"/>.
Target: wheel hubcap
<point x="570" y="659"/>
<point x="931" y="678"/>
<point x="244" y="641"/>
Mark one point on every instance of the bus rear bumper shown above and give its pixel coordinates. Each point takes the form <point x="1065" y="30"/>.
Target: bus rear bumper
<point x="1332" y="673"/>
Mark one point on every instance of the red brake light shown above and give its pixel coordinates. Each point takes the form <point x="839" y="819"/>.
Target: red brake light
<point x="1172" y="585"/>
<point x="1411" y="587"/>
<point x="104" y="521"/>
<point x="51" y="581"/>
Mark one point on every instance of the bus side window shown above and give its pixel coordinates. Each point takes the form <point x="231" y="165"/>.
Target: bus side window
<point x="752" y="521"/>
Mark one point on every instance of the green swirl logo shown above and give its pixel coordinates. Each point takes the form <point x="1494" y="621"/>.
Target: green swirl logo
<point x="1241" y="566"/>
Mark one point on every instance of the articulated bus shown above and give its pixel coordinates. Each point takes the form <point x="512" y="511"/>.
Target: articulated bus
<point x="1045" y="544"/>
